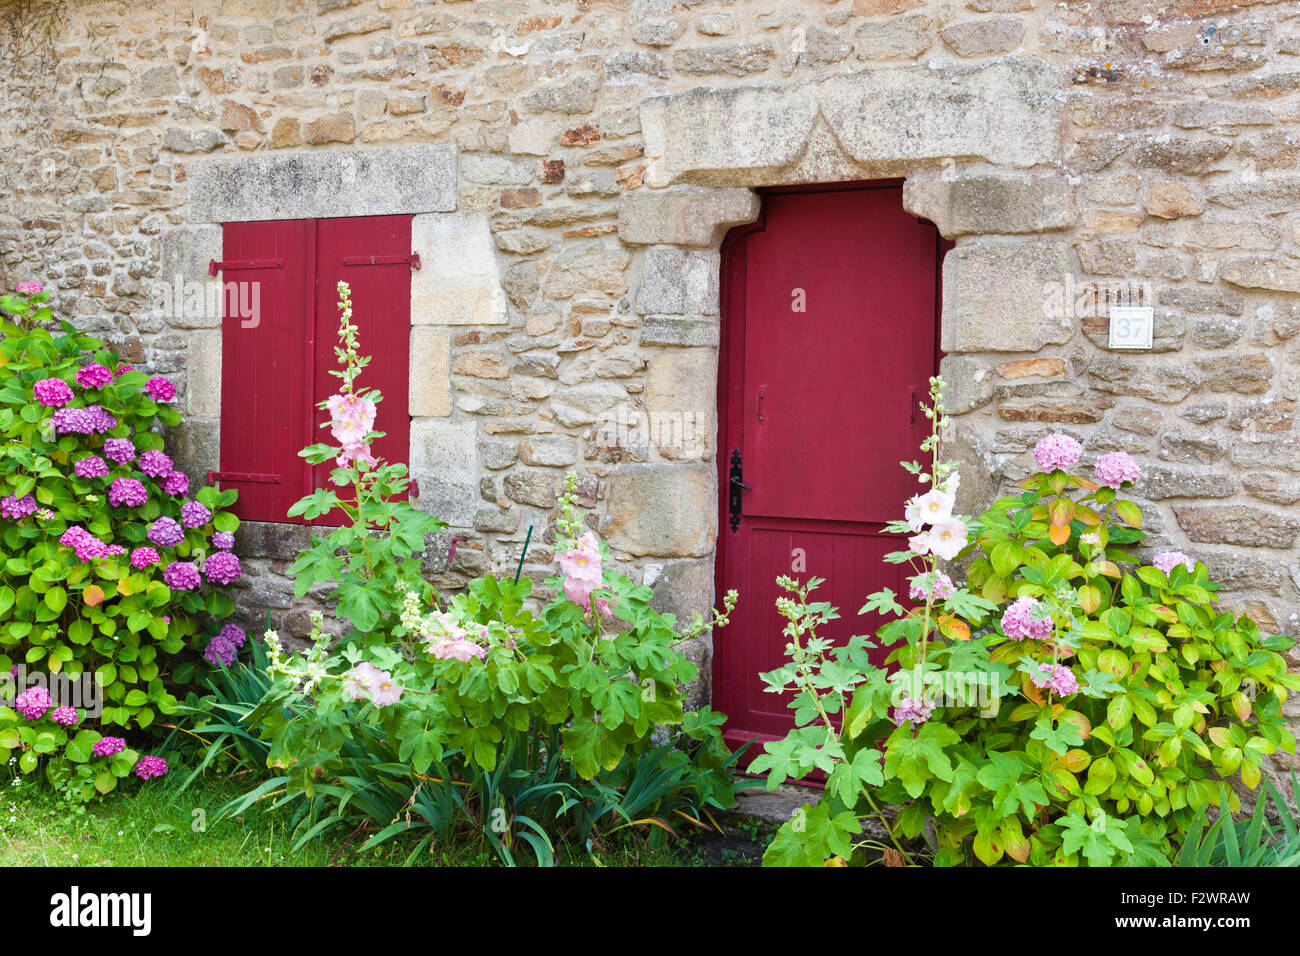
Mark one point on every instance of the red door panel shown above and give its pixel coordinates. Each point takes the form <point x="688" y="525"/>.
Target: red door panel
<point x="829" y="340"/>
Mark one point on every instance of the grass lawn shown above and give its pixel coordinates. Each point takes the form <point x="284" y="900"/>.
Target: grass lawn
<point x="154" y="825"/>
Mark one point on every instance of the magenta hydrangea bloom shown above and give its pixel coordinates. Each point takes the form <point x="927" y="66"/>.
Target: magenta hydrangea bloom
<point x="92" y="466"/>
<point x="194" y="514"/>
<point x="1059" y="678"/>
<point x="220" y="652"/>
<point x="120" y="450"/>
<point x="15" y="509"/>
<point x="1057" y="451"/>
<point x="122" y="370"/>
<point x="107" y="746"/>
<point x="222" y="567"/>
<point x="52" y="392"/>
<point x="92" y="420"/>
<point x="1116" y="468"/>
<point x="1019" y="621"/>
<point x="143" y="557"/>
<point x="87" y="546"/>
<point x="234" y="634"/>
<point x="93" y="376"/>
<point x="181" y="576"/>
<point x="33" y="702"/>
<point x="29" y="288"/>
<point x="1166" y="561"/>
<point x="909" y="708"/>
<point x="160" y="389"/>
<point x="177" y="483"/>
<point x="149" y="767"/>
<point x="166" y="533"/>
<point x="113" y="550"/>
<point x="223" y="540"/>
<point x="65" y="716"/>
<point x="155" y="464"/>
<point x="127" y="492"/>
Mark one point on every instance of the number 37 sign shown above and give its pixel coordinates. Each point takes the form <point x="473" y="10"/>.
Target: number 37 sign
<point x="1131" y="327"/>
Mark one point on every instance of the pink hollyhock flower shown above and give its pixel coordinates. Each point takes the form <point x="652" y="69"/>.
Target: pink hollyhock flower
<point x="160" y="390"/>
<point x="177" y="484"/>
<point x="143" y="557"/>
<point x="93" y="376"/>
<point x="1115" y="469"/>
<point x="386" y="692"/>
<point x="52" y="392"/>
<point x="1057" y="451"/>
<point x="181" y="576"/>
<point x="357" y="683"/>
<point x="107" y="746"/>
<point x="912" y="513"/>
<point x="33" y="702"/>
<point x="911" y="709"/>
<point x="65" y="716"/>
<point x="29" y="288"/>
<point x="1166" y="561"/>
<point x="127" y="492"/>
<point x="149" y="767"/>
<point x="155" y="464"/>
<point x="459" y="649"/>
<point x="919" y="544"/>
<point x="357" y="454"/>
<point x="941" y="590"/>
<point x="1022" y="621"/>
<point x="351" y="418"/>
<point x="582" y="571"/>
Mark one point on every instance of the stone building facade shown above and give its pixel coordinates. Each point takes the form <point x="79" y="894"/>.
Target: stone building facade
<point x="577" y="164"/>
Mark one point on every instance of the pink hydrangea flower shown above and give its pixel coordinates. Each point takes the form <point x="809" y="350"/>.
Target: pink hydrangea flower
<point x="234" y="634"/>
<point x="143" y="557"/>
<point x="107" y="746"/>
<point x="166" y="533"/>
<point x="223" y="540"/>
<point x="941" y="590"/>
<point x="181" y="576"/>
<point x="92" y="420"/>
<point x="1166" y="561"/>
<point x="92" y="466"/>
<point x="222" y="567"/>
<point x="219" y="652"/>
<point x="194" y="514"/>
<point x="912" y="709"/>
<point x="127" y="492"/>
<point x="160" y="389"/>
<point x="155" y="464"/>
<point x="122" y="370"/>
<point x="33" y="702"/>
<point x="29" y="288"/>
<point x="65" y="716"/>
<point x="93" y="376"/>
<point x="582" y="571"/>
<point x="1021" y="621"/>
<point x="150" y="767"/>
<point x="177" y="484"/>
<point x="52" y="392"/>
<point x="1059" y="678"/>
<point x="1057" y="451"/>
<point x="119" y="450"/>
<point x="15" y="509"/>
<point x="1116" y="468"/>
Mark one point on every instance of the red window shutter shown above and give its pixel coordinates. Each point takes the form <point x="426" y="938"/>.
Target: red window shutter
<point x="266" y="365"/>
<point x="372" y="255"/>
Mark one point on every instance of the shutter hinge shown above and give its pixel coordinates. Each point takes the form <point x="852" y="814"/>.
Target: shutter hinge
<point x="214" y="266"/>
<point x="214" y="476"/>
<point x="413" y="260"/>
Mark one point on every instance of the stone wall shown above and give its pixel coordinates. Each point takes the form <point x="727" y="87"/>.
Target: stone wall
<point x="602" y="150"/>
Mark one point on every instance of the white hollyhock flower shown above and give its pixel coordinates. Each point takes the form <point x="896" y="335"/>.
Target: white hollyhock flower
<point x="935" y="506"/>
<point x="947" y="538"/>
<point x="919" y="543"/>
<point x="912" y="512"/>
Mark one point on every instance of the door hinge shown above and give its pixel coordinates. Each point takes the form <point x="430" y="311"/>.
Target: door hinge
<point x="736" y="488"/>
<point x="214" y="266"/>
<point x="214" y="476"/>
<point x="413" y="260"/>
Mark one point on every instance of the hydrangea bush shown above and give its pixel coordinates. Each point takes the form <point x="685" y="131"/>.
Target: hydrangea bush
<point x="111" y="559"/>
<point x="1069" y="705"/>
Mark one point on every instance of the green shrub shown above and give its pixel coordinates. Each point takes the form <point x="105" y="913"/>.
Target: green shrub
<point x="85" y="591"/>
<point x="1120" y="698"/>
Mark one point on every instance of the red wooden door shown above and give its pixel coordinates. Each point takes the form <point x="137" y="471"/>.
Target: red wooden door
<point x="829" y="341"/>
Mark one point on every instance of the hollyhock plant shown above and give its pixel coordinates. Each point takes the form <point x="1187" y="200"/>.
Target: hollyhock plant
<point x="582" y="570"/>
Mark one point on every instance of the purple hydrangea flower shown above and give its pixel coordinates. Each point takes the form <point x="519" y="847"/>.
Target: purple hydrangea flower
<point x="150" y="767"/>
<point x="16" y="509"/>
<point x="1166" y="561"/>
<point x="1116" y="468"/>
<point x="194" y="514"/>
<point x="1057" y="451"/>
<point x="143" y="557"/>
<point x="1020" y="621"/>
<point x="234" y="634"/>
<point x="52" y="392"/>
<point x="107" y="746"/>
<point x="181" y="576"/>
<point x="65" y="716"/>
<point x="177" y="483"/>
<point x="160" y="390"/>
<point x="83" y="421"/>
<point x="113" y="550"/>
<point x="155" y="464"/>
<point x="222" y="567"/>
<point x="223" y="540"/>
<point x="91" y="466"/>
<point x="917" y="711"/>
<point x="220" y="652"/>
<point x="127" y="492"/>
<point x="94" y="376"/>
<point x="33" y="702"/>
<point x="120" y="450"/>
<point x="166" y="533"/>
<point x="87" y="546"/>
